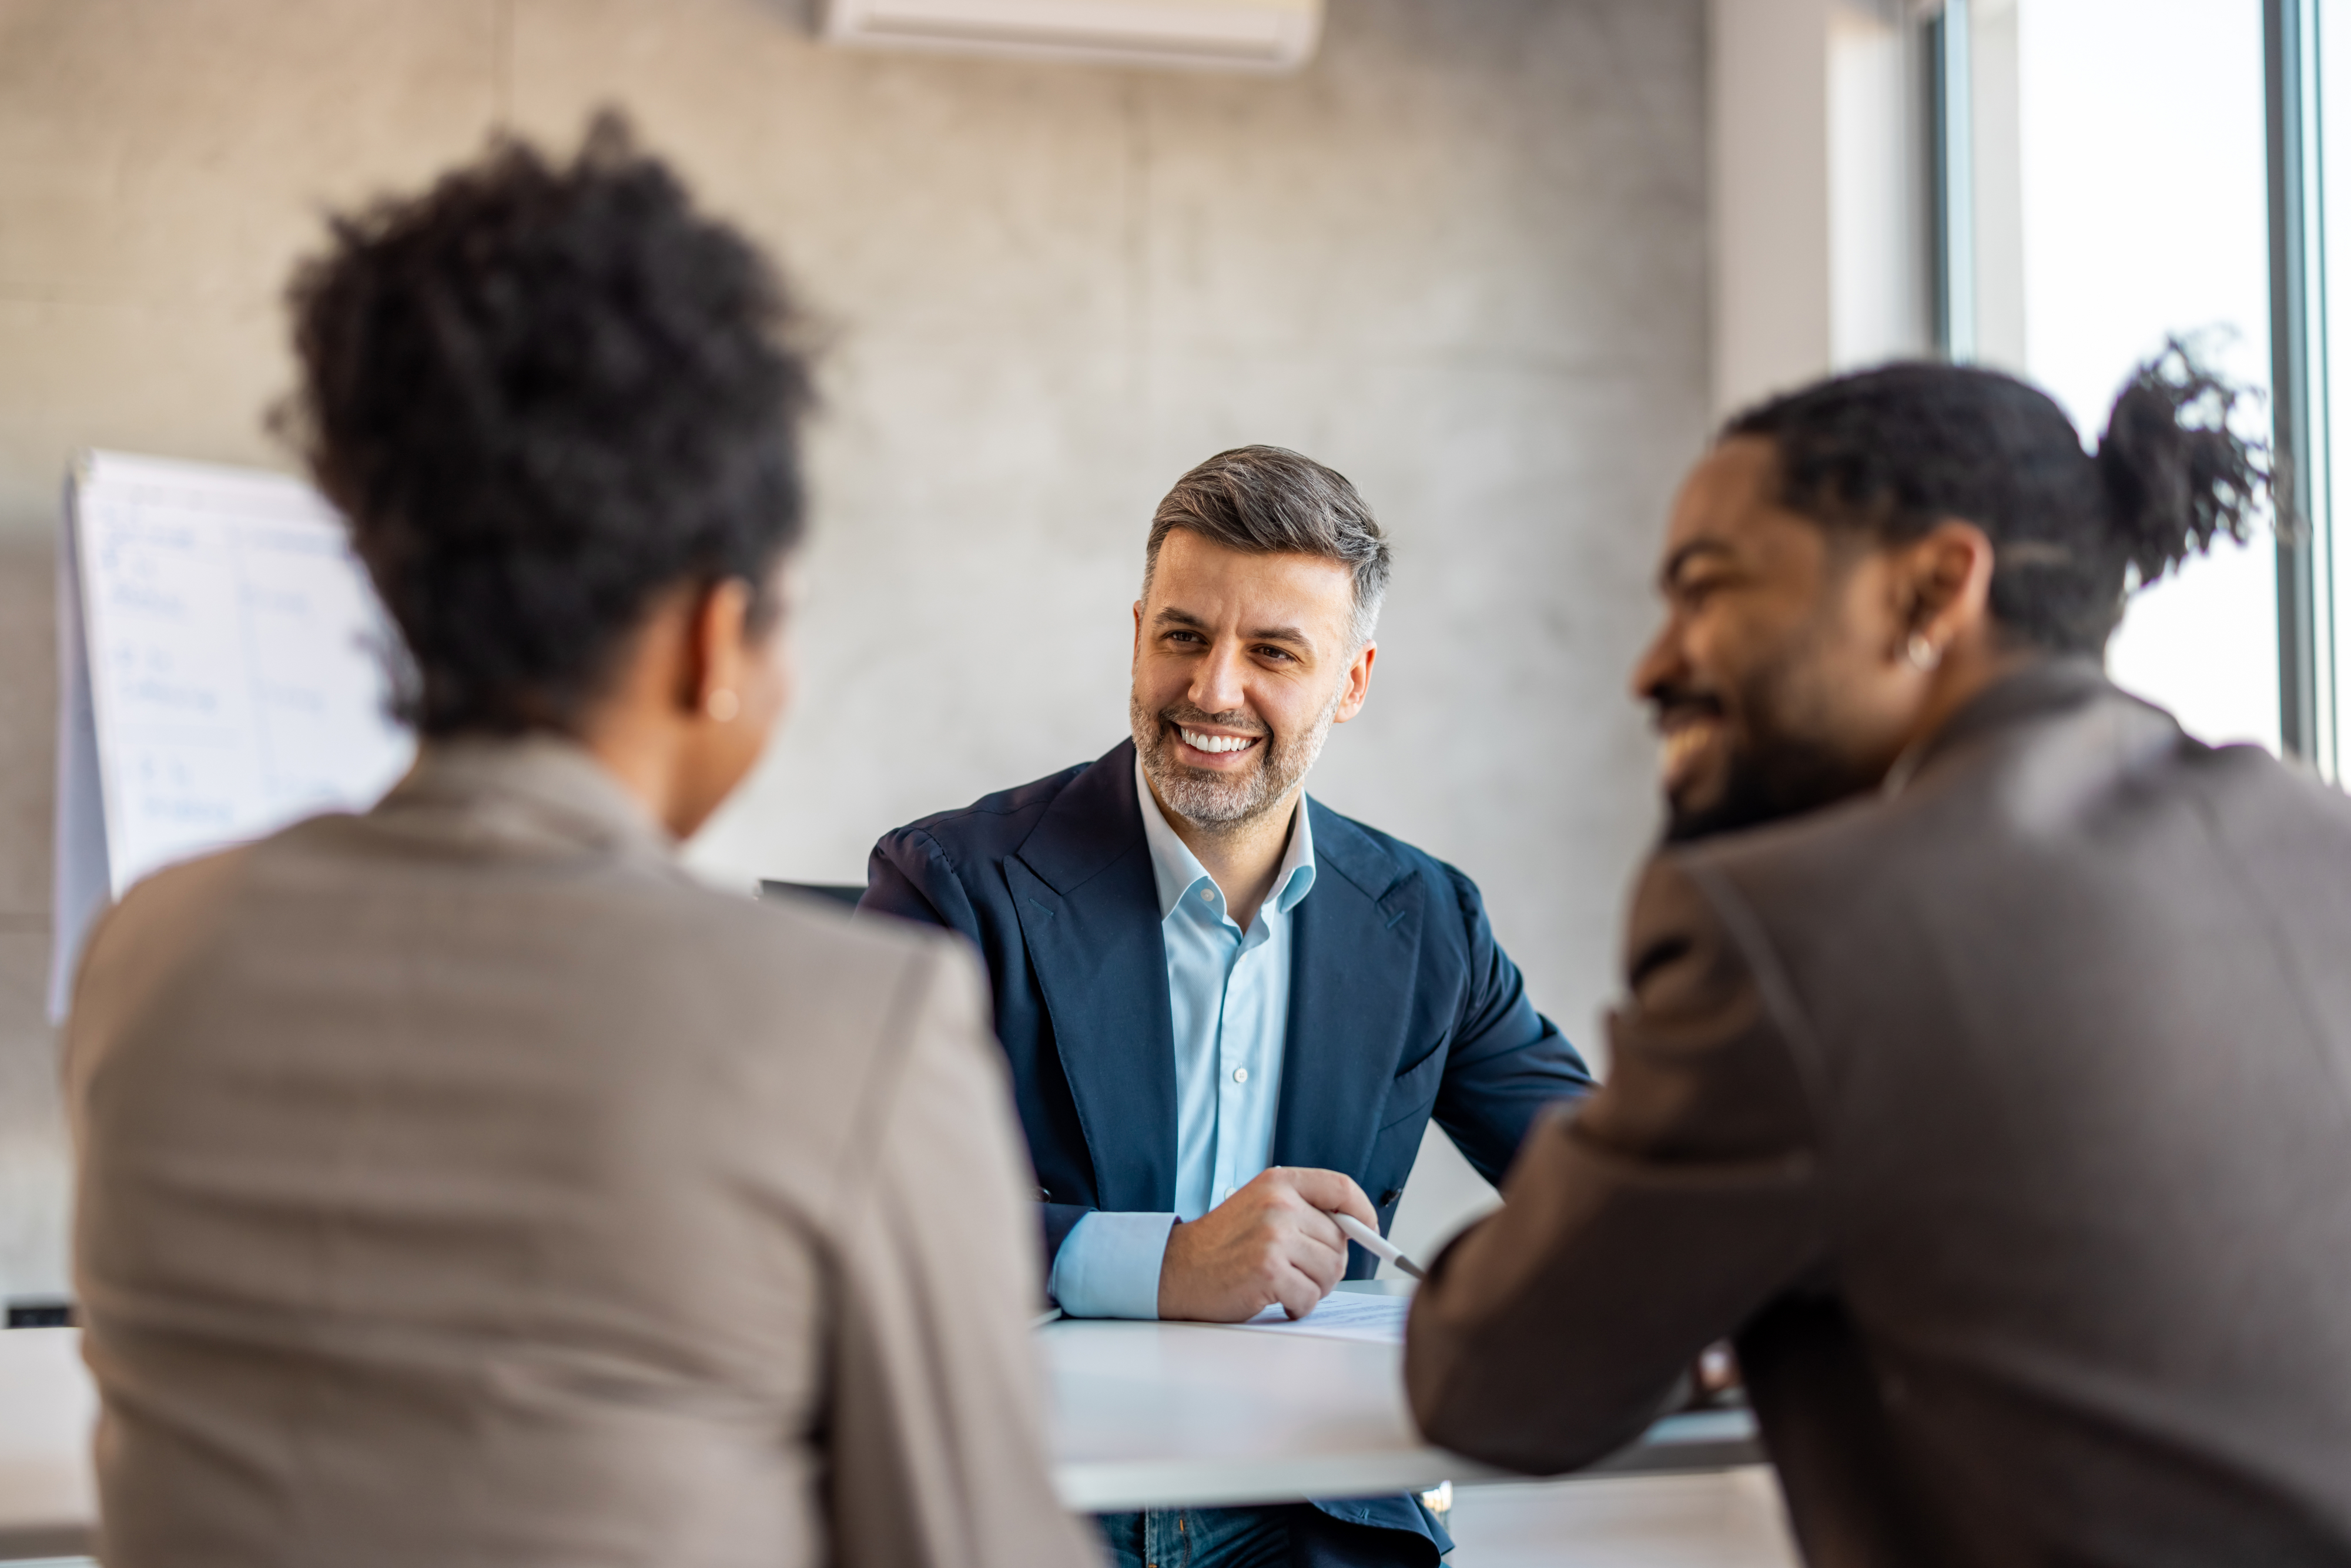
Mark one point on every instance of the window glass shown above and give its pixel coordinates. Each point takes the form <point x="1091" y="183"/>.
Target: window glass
<point x="2118" y="165"/>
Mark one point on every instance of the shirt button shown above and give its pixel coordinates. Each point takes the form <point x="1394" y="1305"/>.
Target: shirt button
<point x="1240" y="1075"/>
<point x="1208" y="895"/>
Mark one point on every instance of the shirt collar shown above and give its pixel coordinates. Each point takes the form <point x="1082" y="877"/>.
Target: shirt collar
<point x="1177" y="871"/>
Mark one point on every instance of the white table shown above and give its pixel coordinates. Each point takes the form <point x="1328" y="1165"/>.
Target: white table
<point x="47" y="1497"/>
<point x="1145" y="1416"/>
<point x="1162" y="1415"/>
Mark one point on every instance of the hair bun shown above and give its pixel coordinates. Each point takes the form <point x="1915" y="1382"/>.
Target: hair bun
<point x="2176" y="475"/>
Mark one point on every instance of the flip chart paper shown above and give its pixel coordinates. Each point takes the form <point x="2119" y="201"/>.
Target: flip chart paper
<point x="222" y="675"/>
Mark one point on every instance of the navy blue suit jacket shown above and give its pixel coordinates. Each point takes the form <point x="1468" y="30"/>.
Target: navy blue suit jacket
<point x="1401" y="1005"/>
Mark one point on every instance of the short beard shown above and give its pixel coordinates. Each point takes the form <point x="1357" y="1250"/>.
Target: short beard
<point x="1777" y="766"/>
<point x="1787" y="777"/>
<point x="1217" y="802"/>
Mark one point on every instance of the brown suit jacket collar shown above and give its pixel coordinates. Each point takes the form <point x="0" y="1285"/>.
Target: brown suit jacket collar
<point x="2052" y="686"/>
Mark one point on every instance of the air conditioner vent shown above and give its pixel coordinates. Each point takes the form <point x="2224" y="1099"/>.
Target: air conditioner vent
<point x="1228" y="34"/>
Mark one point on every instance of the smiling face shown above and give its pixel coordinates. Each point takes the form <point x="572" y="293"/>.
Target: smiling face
<point x="1242" y="662"/>
<point x="1777" y="680"/>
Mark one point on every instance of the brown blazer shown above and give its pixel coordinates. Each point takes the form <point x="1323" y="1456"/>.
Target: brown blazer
<point x="463" y="1184"/>
<point x="2007" y="1123"/>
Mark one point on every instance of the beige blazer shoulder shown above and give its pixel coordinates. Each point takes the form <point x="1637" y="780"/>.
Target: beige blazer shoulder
<point x="464" y="1182"/>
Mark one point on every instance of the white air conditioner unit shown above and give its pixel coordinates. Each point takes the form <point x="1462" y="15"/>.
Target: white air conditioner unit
<point x="1227" y="34"/>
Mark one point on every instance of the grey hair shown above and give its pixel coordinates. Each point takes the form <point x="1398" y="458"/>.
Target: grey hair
<point x="1267" y="500"/>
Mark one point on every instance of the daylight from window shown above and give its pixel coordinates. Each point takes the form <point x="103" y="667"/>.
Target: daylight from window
<point x="2130" y="205"/>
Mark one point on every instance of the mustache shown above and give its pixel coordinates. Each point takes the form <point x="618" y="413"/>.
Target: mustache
<point x="1669" y="700"/>
<point x="1185" y="713"/>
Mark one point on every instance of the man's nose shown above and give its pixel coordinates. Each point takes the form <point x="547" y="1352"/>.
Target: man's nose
<point x="1217" y="680"/>
<point x="1661" y="663"/>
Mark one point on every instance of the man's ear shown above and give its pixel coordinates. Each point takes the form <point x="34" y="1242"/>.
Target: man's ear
<point x="1948" y="579"/>
<point x="1359" y="683"/>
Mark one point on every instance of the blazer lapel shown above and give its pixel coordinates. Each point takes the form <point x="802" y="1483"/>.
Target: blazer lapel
<point x="1352" y="970"/>
<point x="1089" y="912"/>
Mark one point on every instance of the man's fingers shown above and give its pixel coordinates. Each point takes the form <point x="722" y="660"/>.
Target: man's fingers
<point x="1326" y="1269"/>
<point x="1301" y="1293"/>
<point x="1323" y="1262"/>
<point x="1317" y="1225"/>
<point x="1332" y="1191"/>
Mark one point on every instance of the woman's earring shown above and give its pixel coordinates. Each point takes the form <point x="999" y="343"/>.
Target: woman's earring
<point x="722" y="706"/>
<point x="1923" y="655"/>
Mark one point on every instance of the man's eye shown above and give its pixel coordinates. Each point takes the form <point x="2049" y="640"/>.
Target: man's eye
<point x="1281" y="653"/>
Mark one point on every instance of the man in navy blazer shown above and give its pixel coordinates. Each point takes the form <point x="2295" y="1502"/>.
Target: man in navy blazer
<point x="1231" y="1012"/>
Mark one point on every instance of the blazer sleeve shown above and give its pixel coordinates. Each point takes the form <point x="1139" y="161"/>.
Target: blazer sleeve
<point x="1506" y="1062"/>
<point x="937" y="1429"/>
<point x="908" y="875"/>
<point x="1637" y="1229"/>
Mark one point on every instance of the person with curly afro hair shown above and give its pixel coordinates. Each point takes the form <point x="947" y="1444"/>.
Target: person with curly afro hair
<point x="461" y="1182"/>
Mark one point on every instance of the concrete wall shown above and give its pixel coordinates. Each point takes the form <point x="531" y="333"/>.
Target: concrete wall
<point x="1462" y="257"/>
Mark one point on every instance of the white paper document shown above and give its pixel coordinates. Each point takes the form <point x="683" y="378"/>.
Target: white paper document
<point x="1344" y="1314"/>
<point x="222" y="672"/>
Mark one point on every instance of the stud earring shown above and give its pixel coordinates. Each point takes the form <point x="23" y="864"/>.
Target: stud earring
<point x="1924" y="655"/>
<point x="722" y="706"/>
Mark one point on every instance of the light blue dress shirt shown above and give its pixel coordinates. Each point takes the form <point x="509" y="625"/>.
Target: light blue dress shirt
<point x="1228" y="998"/>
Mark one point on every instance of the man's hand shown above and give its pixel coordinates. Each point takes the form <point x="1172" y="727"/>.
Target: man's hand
<point x="1272" y="1241"/>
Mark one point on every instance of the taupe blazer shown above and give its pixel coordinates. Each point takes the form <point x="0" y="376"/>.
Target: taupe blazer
<point x="2006" y="1121"/>
<point x="463" y="1184"/>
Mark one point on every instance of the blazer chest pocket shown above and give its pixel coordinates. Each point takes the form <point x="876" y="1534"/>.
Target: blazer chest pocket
<point x="1413" y="1090"/>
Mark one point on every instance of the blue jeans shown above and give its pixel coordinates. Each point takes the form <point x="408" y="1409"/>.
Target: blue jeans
<point x="1198" y="1538"/>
